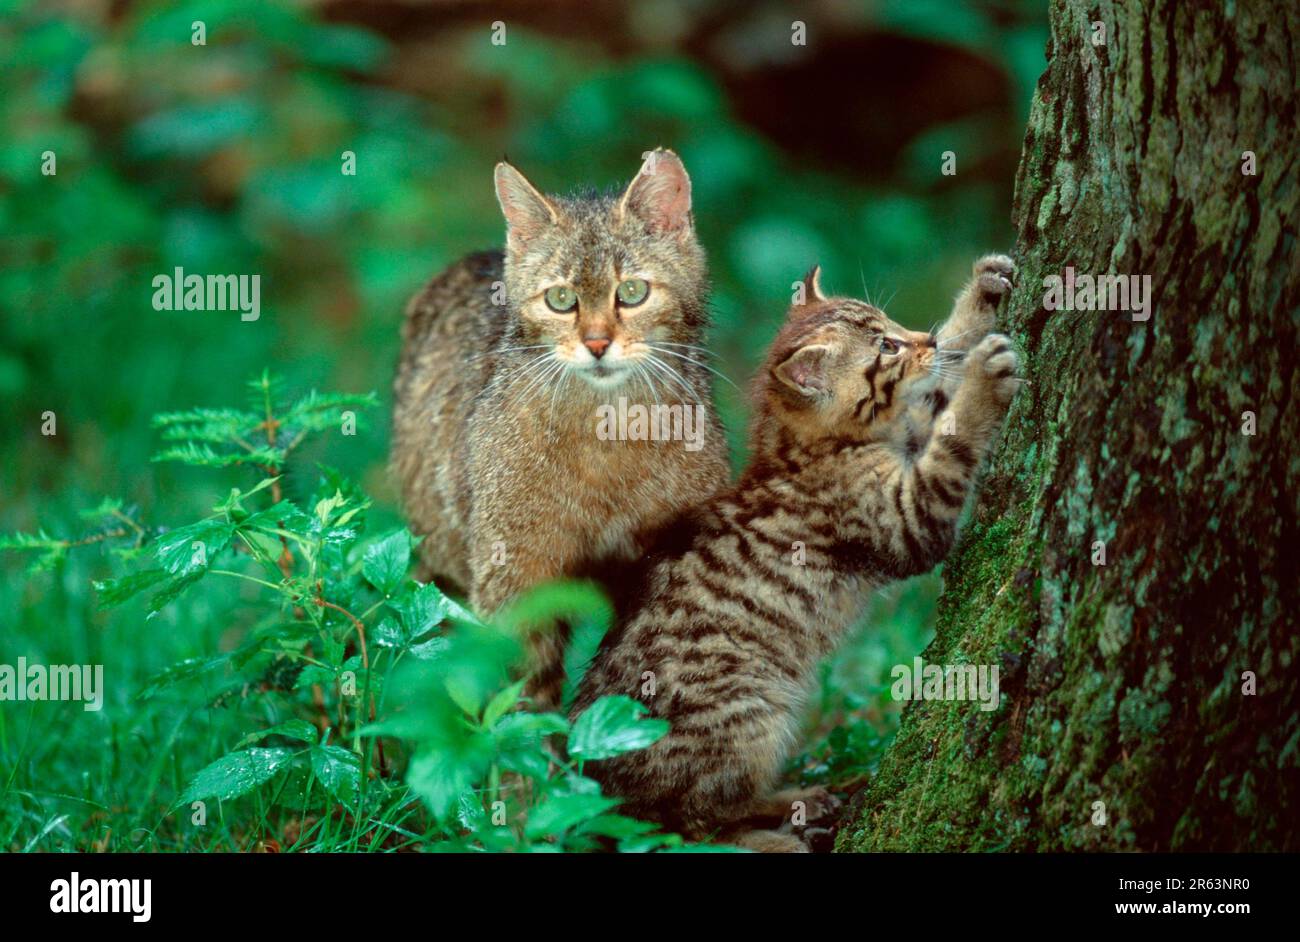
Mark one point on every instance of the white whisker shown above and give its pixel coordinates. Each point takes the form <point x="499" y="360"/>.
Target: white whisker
<point x="706" y="366"/>
<point x="685" y="346"/>
<point x="670" y="374"/>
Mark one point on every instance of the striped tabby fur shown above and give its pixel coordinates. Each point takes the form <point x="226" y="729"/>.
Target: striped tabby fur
<point x="850" y="486"/>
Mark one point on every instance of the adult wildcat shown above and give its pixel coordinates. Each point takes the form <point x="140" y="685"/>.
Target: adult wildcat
<point x="507" y="357"/>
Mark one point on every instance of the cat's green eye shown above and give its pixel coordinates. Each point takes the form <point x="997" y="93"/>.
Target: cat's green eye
<point x="561" y="298"/>
<point x="887" y="346"/>
<point x="633" y="291"/>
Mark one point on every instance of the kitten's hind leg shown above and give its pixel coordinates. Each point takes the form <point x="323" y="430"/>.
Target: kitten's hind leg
<point x="800" y="807"/>
<point x="804" y="815"/>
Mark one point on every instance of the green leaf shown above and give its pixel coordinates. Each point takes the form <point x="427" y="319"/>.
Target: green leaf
<point x="422" y="608"/>
<point x="282" y="516"/>
<point x="181" y="671"/>
<point x="618" y="826"/>
<point x="177" y="552"/>
<point x="522" y="730"/>
<point x="431" y="649"/>
<point x="441" y="773"/>
<point x="52" y="551"/>
<point x="236" y="774"/>
<point x="339" y="770"/>
<point x="113" y="592"/>
<point x="460" y="613"/>
<point x="108" y="507"/>
<point x="532" y="763"/>
<point x="613" y="726"/>
<point x="464" y="694"/>
<point x="389" y="634"/>
<point x="470" y="812"/>
<point x="292" y="729"/>
<point x="231" y="419"/>
<point x="235" y="502"/>
<point x="204" y="456"/>
<point x="172" y="590"/>
<point x="385" y="562"/>
<point x="500" y="705"/>
<point x="584" y="643"/>
<point x="644" y="843"/>
<point x="558" y="813"/>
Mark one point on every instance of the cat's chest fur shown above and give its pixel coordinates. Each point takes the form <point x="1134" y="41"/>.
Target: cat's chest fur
<point x="586" y="491"/>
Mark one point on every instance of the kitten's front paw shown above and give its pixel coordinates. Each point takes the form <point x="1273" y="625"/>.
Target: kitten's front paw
<point x="996" y="361"/>
<point x="995" y="276"/>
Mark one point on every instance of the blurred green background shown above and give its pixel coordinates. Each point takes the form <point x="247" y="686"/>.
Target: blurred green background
<point x="226" y="157"/>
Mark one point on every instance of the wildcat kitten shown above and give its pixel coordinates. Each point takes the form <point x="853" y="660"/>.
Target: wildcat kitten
<point x="721" y="630"/>
<point x="505" y="360"/>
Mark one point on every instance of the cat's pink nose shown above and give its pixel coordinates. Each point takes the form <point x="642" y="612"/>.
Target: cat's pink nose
<point x="597" y="346"/>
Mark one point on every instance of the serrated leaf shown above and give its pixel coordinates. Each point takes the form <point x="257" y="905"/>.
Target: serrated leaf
<point x="300" y="730"/>
<point x="470" y="812"/>
<point x="108" y="507"/>
<point x="314" y="674"/>
<point x="583" y="645"/>
<point x="203" y="456"/>
<point x="285" y="515"/>
<point x="613" y="726"/>
<point x="500" y="704"/>
<point x="431" y="650"/>
<point x="440" y="774"/>
<point x="460" y="613"/>
<point x="339" y="770"/>
<point x="558" y="813"/>
<point x="645" y="843"/>
<point x="421" y="608"/>
<point x="231" y="417"/>
<point x="235" y="502"/>
<point x="530" y="763"/>
<point x="176" y="551"/>
<point x="25" y="541"/>
<point x="389" y="634"/>
<point x="236" y="774"/>
<point x="385" y="562"/>
<point x="172" y="590"/>
<point x="617" y="826"/>
<point x="179" y="672"/>
<point x="464" y="694"/>
<point x="521" y="730"/>
<point x="113" y="592"/>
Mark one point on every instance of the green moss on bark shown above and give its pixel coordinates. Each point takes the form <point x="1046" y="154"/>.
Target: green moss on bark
<point x="1122" y="683"/>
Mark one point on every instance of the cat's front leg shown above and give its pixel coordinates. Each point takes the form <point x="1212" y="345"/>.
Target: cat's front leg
<point x="922" y="499"/>
<point x="974" y="312"/>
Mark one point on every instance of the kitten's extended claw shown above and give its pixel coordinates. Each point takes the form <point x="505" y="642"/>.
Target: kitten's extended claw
<point x="994" y="277"/>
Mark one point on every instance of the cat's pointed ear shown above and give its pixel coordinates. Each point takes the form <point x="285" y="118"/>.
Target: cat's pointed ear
<point x="806" y="370"/>
<point x="527" y="211"/>
<point x="660" y="194"/>
<point x="812" y="286"/>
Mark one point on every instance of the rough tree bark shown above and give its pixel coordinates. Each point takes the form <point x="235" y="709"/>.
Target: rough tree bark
<point x="1123" y="683"/>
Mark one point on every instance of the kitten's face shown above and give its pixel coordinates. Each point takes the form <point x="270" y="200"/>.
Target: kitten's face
<point x="607" y="286"/>
<point x="840" y="367"/>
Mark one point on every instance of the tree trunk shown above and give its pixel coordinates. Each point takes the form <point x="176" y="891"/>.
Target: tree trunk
<point x="1126" y="683"/>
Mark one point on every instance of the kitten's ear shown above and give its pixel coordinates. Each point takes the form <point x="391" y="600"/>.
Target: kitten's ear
<point x="527" y="211"/>
<point x="660" y="194"/>
<point x="812" y="286"/>
<point x="806" y="371"/>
